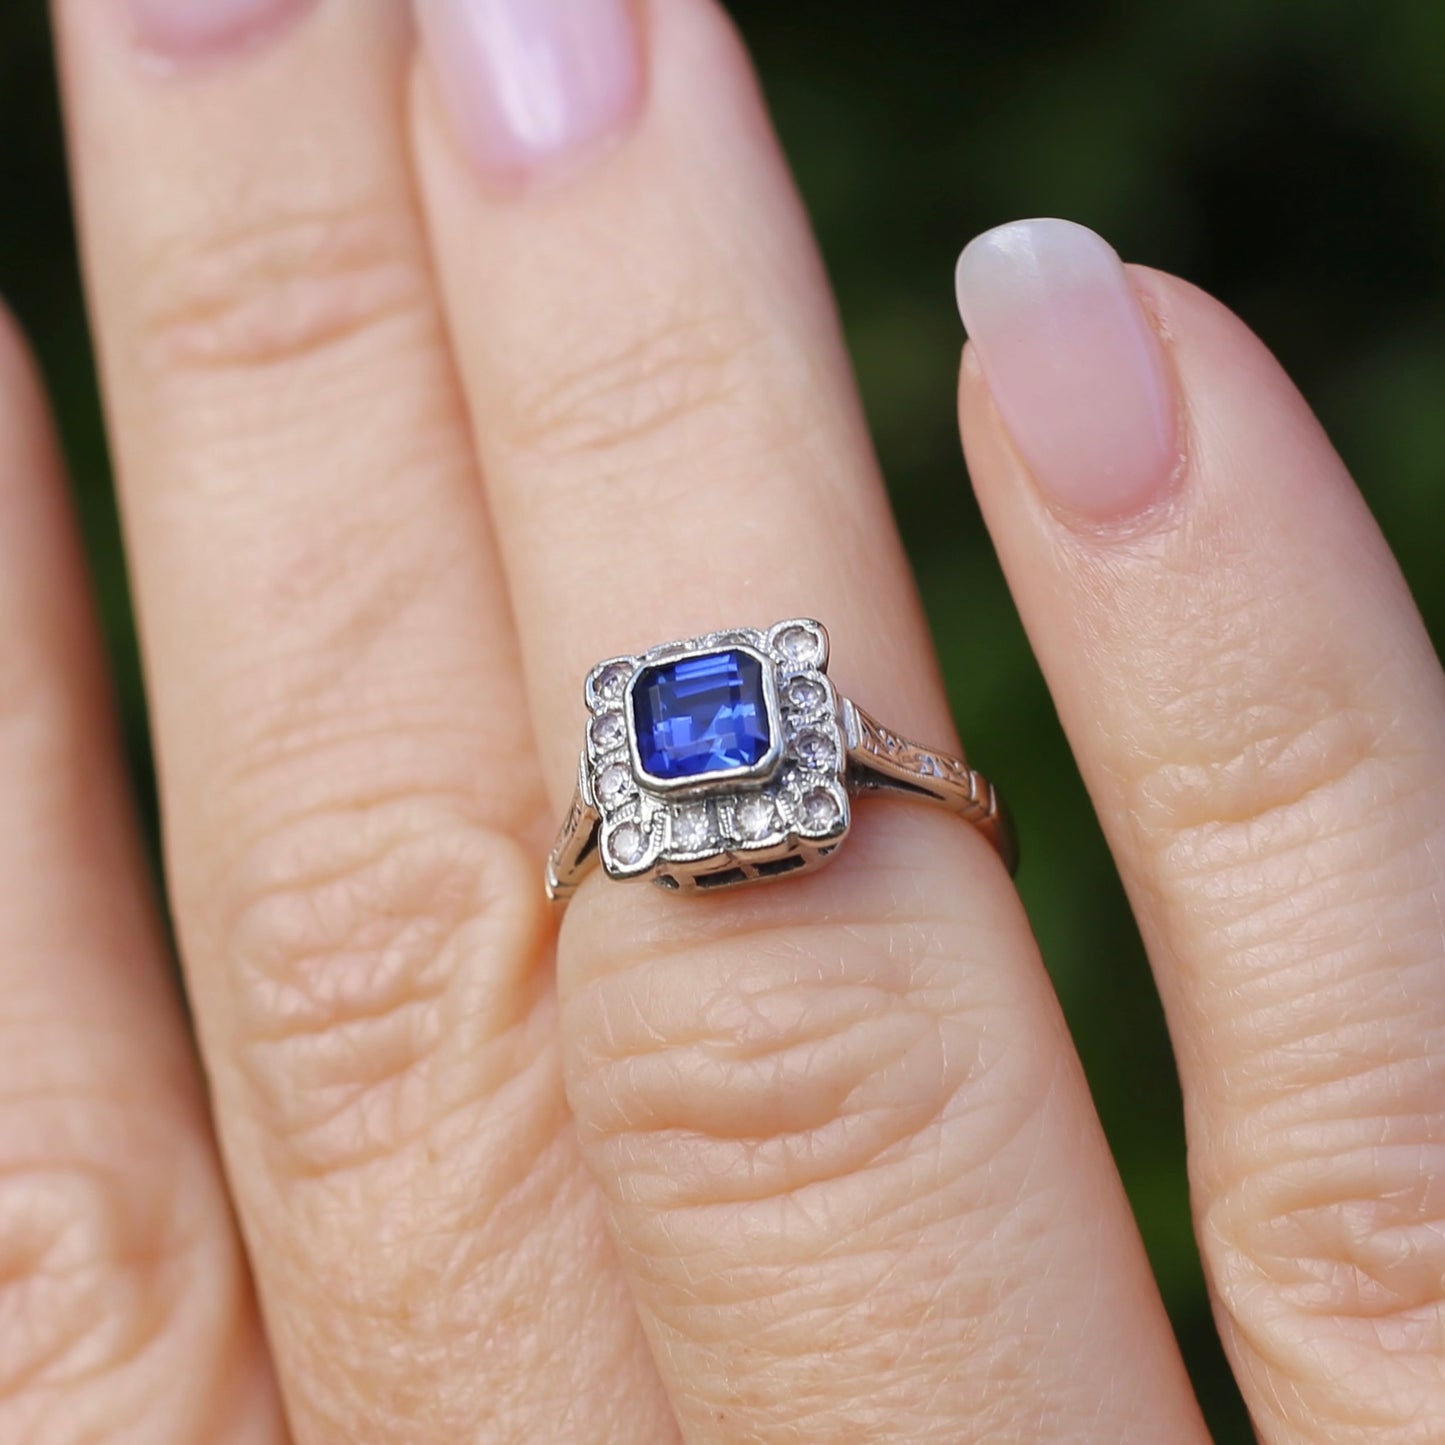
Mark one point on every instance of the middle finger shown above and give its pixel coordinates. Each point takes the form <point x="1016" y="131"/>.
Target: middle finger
<point x="326" y="635"/>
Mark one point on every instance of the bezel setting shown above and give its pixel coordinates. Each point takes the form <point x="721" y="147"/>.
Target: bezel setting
<point x="734" y="824"/>
<point x="765" y="766"/>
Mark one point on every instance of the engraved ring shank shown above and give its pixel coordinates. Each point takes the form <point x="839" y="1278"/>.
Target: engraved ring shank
<point x="882" y="762"/>
<point x="574" y="854"/>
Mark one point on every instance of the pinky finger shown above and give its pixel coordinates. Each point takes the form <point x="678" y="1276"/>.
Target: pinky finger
<point x="125" y="1311"/>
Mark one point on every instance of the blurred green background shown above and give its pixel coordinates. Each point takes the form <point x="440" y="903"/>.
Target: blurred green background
<point x="1288" y="155"/>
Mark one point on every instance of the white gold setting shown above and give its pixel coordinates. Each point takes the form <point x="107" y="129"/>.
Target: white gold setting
<point x="782" y="810"/>
<point x="727" y="824"/>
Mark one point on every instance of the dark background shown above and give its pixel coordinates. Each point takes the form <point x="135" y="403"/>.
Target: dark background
<point x="1288" y="155"/>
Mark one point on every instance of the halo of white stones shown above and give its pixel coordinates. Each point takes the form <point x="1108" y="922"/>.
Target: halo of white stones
<point x="693" y="830"/>
<point x="803" y="807"/>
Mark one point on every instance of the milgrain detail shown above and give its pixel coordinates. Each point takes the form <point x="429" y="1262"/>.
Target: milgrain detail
<point x="576" y="846"/>
<point x="882" y="761"/>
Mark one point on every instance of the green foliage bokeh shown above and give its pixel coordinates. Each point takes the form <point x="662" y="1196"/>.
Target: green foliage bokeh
<point x="1287" y="155"/>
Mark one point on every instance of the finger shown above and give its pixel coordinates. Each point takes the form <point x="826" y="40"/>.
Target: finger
<point x="1261" y="720"/>
<point x="344" y="794"/>
<point x="124" y="1302"/>
<point x="848" y="1157"/>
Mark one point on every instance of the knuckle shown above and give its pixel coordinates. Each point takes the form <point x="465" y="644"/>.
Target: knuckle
<point x="801" y="1125"/>
<point x="1305" y="809"/>
<point x="783" y="1056"/>
<point x="95" y="1254"/>
<point x="775" y="1083"/>
<point x="1253" y="768"/>
<point x="373" y="952"/>
<point x="638" y="390"/>
<point x="1329" y="1265"/>
<point x="272" y="294"/>
<point x="1236" y="728"/>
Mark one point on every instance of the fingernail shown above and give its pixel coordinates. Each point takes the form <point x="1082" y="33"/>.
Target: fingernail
<point x="1075" y="368"/>
<point x="526" y="81"/>
<point x="181" y="29"/>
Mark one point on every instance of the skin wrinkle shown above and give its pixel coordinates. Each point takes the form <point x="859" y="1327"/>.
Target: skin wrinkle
<point x="668" y="417"/>
<point x="1267" y="1015"/>
<point x="857" y="1310"/>
<point x="1295" y="985"/>
<point x="275" y="937"/>
<point x="282" y="298"/>
<point x="660" y="1090"/>
<point x="902" y="1361"/>
<point x="739" y="1024"/>
<point x="88" y="1280"/>
<point x="386" y="1111"/>
<point x="1280" y="746"/>
<point x="1315" y="1223"/>
<point x="649" y="385"/>
<point x="741" y="1175"/>
<point x="831" y="1102"/>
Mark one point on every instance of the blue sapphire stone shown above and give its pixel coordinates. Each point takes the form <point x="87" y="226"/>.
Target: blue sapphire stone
<point x="700" y="715"/>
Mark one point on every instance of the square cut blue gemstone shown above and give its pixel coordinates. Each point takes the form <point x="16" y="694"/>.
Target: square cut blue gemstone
<point x="699" y="715"/>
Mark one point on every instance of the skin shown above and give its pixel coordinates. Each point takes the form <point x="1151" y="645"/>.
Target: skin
<point x="813" y="1162"/>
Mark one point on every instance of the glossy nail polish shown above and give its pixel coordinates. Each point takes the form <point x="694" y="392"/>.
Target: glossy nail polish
<point x="1075" y="368"/>
<point x="185" y="29"/>
<point x="526" y="81"/>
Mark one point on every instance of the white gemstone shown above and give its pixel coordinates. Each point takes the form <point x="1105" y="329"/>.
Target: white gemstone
<point x="756" y="817"/>
<point x="629" y="843"/>
<point x="814" y="750"/>
<point x="800" y="645"/>
<point x="819" y="808"/>
<point x="608" y="731"/>
<point x="691" y="829"/>
<point x="612" y="680"/>
<point x="614" y="782"/>
<point x="806" y="693"/>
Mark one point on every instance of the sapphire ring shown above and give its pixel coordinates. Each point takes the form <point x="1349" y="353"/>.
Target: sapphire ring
<point x="732" y="758"/>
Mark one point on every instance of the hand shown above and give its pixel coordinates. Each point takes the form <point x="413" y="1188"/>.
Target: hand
<point x="433" y="381"/>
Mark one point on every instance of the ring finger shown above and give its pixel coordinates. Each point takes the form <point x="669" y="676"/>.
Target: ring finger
<point x="847" y="1153"/>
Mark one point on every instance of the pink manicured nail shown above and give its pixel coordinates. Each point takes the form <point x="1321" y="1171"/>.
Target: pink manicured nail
<point x="1074" y="366"/>
<point x="185" y="28"/>
<point x="528" y="80"/>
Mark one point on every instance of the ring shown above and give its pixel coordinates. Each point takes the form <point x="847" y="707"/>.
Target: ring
<point x="732" y="758"/>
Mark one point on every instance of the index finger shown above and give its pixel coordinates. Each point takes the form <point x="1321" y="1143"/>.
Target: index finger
<point x="1261" y="719"/>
